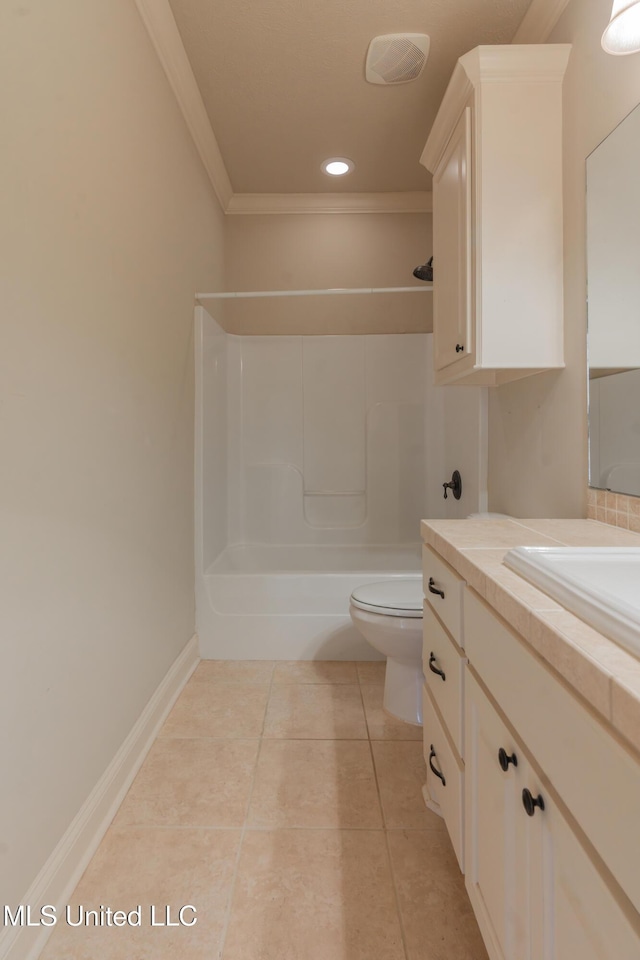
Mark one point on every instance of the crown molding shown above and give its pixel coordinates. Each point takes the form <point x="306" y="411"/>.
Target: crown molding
<point x="292" y="203"/>
<point x="453" y="103"/>
<point x="159" y="21"/>
<point x="530" y="63"/>
<point x="539" y="21"/>
<point x="161" y="27"/>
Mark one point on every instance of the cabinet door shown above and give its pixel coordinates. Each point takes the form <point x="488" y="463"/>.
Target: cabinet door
<point x="496" y="850"/>
<point x="536" y="893"/>
<point x="452" y="248"/>
<point x="573" y="911"/>
<point x="445" y="775"/>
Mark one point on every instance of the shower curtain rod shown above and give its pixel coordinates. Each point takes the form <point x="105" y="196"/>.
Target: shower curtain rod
<point x="250" y="294"/>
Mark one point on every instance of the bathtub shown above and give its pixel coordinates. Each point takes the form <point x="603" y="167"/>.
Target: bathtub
<point x="291" y="602"/>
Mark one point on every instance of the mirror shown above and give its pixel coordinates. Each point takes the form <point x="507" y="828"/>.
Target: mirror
<point x="613" y="291"/>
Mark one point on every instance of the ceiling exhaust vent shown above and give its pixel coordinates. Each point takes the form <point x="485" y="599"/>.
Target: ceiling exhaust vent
<point x="396" y="57"/>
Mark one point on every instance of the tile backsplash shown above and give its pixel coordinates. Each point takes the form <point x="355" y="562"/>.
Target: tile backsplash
<point x="618" y="509"/>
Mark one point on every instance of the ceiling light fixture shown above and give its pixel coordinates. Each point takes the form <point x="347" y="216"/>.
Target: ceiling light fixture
<point x="337" y="166"/>
<point x="622" y="35"/>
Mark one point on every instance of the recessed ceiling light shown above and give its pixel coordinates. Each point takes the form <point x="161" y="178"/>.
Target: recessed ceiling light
<point x="337" y="166"/>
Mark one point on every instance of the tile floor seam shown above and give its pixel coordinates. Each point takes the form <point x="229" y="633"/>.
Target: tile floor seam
<point x="232" y="888"/>
<point x="218" y="739"/>
<point x="373" y="764"/>
<point x="366" y="718"/>
<point x="386" y="836"/>
<point x="285" y="829"/>
<point x="392" y="740"/>
<point x="396" y="895"/>
<point x="316" y="683"/>
<point x="310" y="739"/>
<point x="234" y="739"/>
<point x="180" y="826"/>
<point x="327" y="740"/>
<point x="260" y="829"/>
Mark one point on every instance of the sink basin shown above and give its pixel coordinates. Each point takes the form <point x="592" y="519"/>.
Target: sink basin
<point x="601" y="585"/>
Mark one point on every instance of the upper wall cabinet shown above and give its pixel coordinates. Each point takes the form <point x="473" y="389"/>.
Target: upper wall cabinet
<point x="495" y="152"/>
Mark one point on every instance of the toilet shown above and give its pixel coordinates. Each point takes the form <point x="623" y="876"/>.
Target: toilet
<point x="388" y="614"/>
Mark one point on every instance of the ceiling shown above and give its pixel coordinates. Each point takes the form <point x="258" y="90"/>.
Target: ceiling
<point x="283" y="85"/>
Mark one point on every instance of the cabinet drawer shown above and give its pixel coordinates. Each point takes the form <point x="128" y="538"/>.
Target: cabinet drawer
<point x="596" y="777"/>
<point x="439" y="755"/>
<point x="439" y="653"/>
<point x="440" y="576"/>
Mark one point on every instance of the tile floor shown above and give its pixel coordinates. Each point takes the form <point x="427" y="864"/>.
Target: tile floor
<point x="285" y="805"/>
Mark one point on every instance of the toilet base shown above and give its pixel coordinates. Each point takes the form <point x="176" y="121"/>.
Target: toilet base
<point x="403" y="691"/>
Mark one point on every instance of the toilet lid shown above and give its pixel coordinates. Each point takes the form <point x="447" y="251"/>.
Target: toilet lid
<point x="392" y="598"/>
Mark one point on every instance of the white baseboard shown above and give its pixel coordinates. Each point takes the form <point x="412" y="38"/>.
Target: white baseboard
<point x="58" y="878"/>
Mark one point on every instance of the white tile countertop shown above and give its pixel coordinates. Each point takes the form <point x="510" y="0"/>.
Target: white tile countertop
<point x="604" y="674"/>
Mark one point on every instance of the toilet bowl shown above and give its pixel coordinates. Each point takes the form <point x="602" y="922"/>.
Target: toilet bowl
<point x="388" y="614"/>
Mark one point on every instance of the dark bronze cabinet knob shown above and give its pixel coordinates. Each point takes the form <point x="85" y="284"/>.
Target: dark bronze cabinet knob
<point x="529" y="802"/>
<point x="504" y="759"/>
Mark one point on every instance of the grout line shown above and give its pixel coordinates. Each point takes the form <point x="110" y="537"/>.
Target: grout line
<point x="386" y="840"/>
<point x="288" y="737"/>
<point x="316" y="683"/>
<point x="386" y="836"/>
<point x="396" y="896"/>
<point x="269" y="829"/>
<point x="266" y="706"/>
<point x="182" y="737"/>
<point x="389" y="860"/>
<point x="373" y="763"/>
<point x="227" y="919"/>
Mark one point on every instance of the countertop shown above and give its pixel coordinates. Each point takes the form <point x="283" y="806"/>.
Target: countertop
<point x="599" y="670"/>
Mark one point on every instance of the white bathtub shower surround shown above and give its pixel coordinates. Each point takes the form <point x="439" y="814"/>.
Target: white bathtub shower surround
<point x="211" y="440"/>
<point x="312" y="479"/>
<point x="326" y="438"/>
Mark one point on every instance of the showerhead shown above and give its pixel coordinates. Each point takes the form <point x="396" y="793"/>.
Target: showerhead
<point x="425" y="272"/>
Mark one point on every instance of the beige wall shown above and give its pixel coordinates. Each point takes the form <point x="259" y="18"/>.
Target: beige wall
<point x="108" y="227"/>
<point x="317" y="251"/>
<point x="538" y="426"/>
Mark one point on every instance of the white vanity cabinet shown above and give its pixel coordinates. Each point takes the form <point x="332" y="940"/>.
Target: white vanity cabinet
<point x="535" y="892"/>
<point x="495" y="152"/>
<point x="443" y="663"/>
<point x="541" y="799"/>
<point x="542" y="887"/>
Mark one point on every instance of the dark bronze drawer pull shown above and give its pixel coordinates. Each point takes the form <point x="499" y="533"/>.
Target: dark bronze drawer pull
<point x="435" y="769"/>
<point x="432" y="660"/>
<point x="434" y="589"/>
